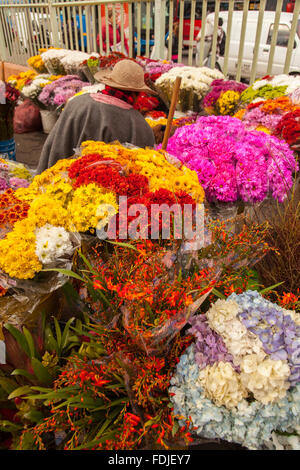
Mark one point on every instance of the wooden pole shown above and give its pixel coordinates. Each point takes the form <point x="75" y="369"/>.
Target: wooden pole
<point x="171" y="112"/>
<point x="2" y="74"/>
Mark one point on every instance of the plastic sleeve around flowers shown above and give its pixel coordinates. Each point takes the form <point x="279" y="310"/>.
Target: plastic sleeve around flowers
<point x="25" y="299"/>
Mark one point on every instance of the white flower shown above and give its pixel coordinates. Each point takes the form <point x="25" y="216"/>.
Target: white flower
<point x="52" y="243"/>
<point x="222" y="318"/>
<point x="222" y="384"/>
<point x="266" y="379"/>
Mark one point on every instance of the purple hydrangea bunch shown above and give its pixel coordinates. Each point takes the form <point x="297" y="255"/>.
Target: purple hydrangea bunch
<point x="232" y="162"/>
<point x="59" y="91"/>
<point x="209" y="346"/>
<point x="218" y="87"/>
<point x="275" y="327"/>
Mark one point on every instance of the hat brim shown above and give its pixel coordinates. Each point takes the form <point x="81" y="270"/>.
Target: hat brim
<point x="107" y="80"/>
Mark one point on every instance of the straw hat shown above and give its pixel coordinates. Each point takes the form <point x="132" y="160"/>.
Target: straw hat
<point x="126" y="75"/>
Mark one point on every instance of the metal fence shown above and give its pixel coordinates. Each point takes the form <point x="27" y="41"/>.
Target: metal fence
<point x="258" y="42"/>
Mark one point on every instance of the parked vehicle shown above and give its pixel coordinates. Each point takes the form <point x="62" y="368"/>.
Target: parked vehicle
<point x="265" y="43"/>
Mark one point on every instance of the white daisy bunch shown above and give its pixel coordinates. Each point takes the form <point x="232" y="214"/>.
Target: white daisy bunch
<point x="52" y="243"/>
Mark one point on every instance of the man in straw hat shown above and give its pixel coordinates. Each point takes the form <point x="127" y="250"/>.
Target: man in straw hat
<point x="106" y="116"/>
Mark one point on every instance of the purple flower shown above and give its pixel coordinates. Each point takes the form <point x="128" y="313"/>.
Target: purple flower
<point x="16" y="183"/>
<point x="3" y="184"/>
<point x="210" y="347"/>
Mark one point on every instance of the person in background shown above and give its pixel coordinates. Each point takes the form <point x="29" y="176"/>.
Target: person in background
<point x="220" y="47"/>
<point x="174" y="38"/>
<point x="106" y="116"/>
<point x="113" y="47"/>
<point x="208" y="34"/>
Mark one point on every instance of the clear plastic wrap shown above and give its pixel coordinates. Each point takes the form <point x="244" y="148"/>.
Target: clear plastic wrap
<point x="25" y="299"/>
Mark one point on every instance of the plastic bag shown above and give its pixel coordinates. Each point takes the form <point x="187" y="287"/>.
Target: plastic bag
<point x="23" y="300"/>
<point x="27" y="118"/>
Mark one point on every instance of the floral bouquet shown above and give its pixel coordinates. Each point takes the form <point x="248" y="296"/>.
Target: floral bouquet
<point x="270" y="87"/>
<point x="8" y="100"/>
<point x="33" y="88"/>
<point x="22" y="79"/>
<point x="90" y="67"/>
<point x="223" y="97"/>
<point x="69" y="194"/>
<point x="194" y="85"/>
<point x="52" y="60"/>
<point x="234" y="164"/>
<point x="57" y="93"/>
<point x="13" y="175"/>
<point x="72" y="63"/>
<point x="36" y="62"/>
<point x="265" y="115"/>
<point x="155" y="68"/>
<point x="288" y="128"/>
<point x="239" y="380"/>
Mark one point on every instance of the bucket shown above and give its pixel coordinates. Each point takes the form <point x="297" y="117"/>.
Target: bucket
<point x="8" y="149"/>
<point x="49" y="119"/>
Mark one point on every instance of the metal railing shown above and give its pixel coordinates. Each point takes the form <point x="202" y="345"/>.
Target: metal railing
<point x="257" y="42"/>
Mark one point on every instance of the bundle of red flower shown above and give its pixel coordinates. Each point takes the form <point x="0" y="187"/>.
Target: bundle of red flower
<point x="288" y="128"/>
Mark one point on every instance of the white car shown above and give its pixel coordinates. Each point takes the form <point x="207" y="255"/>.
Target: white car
<point x="265" y="43"/>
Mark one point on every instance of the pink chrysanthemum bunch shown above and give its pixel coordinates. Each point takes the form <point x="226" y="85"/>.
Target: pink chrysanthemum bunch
<point x="233" y="163"/>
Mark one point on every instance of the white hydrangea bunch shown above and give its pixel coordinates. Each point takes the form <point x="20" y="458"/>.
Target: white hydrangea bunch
<point x="222" y="318"/>
<point x="52" y="243"/>
<point x="222" y="384"/>
<point x="266" y="379"/>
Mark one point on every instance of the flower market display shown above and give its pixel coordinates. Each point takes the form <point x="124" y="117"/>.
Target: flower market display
<point x="115" y="337"/>
<point x="68" y="195"/>
<point x="232" y="163"/>
<point x="223" y="97"/>
<point x="195" y="84"/>
<point x="239" y="380"/>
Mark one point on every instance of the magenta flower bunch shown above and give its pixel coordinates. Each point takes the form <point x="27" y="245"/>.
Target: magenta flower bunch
<point x="57" y="93"/>
<point x="257" y="117"/>
<point x="233" y="163"/>
<point x="218" y="87"/>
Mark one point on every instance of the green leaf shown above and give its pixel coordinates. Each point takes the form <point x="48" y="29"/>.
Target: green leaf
<point x="218" y="293"/>
<point x="65" y="334"/>
<point x="8" y="385"/>
<point x="34" y="416"/>
<point x="30" y="342"/>
<point x="41" y="372"/>
<point x="24" y="373"/>
<point x="19" y="337"/>
<point x="86" y="261"/>
<point x="268" y="289"/>
<point x="8" y="426"/>
<point x="66" y="272"/>
<point x="19" y="391"/>
<point x="125" y="245"/>
<point x="58" y="333"/>
<point x="50" y="342"/>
